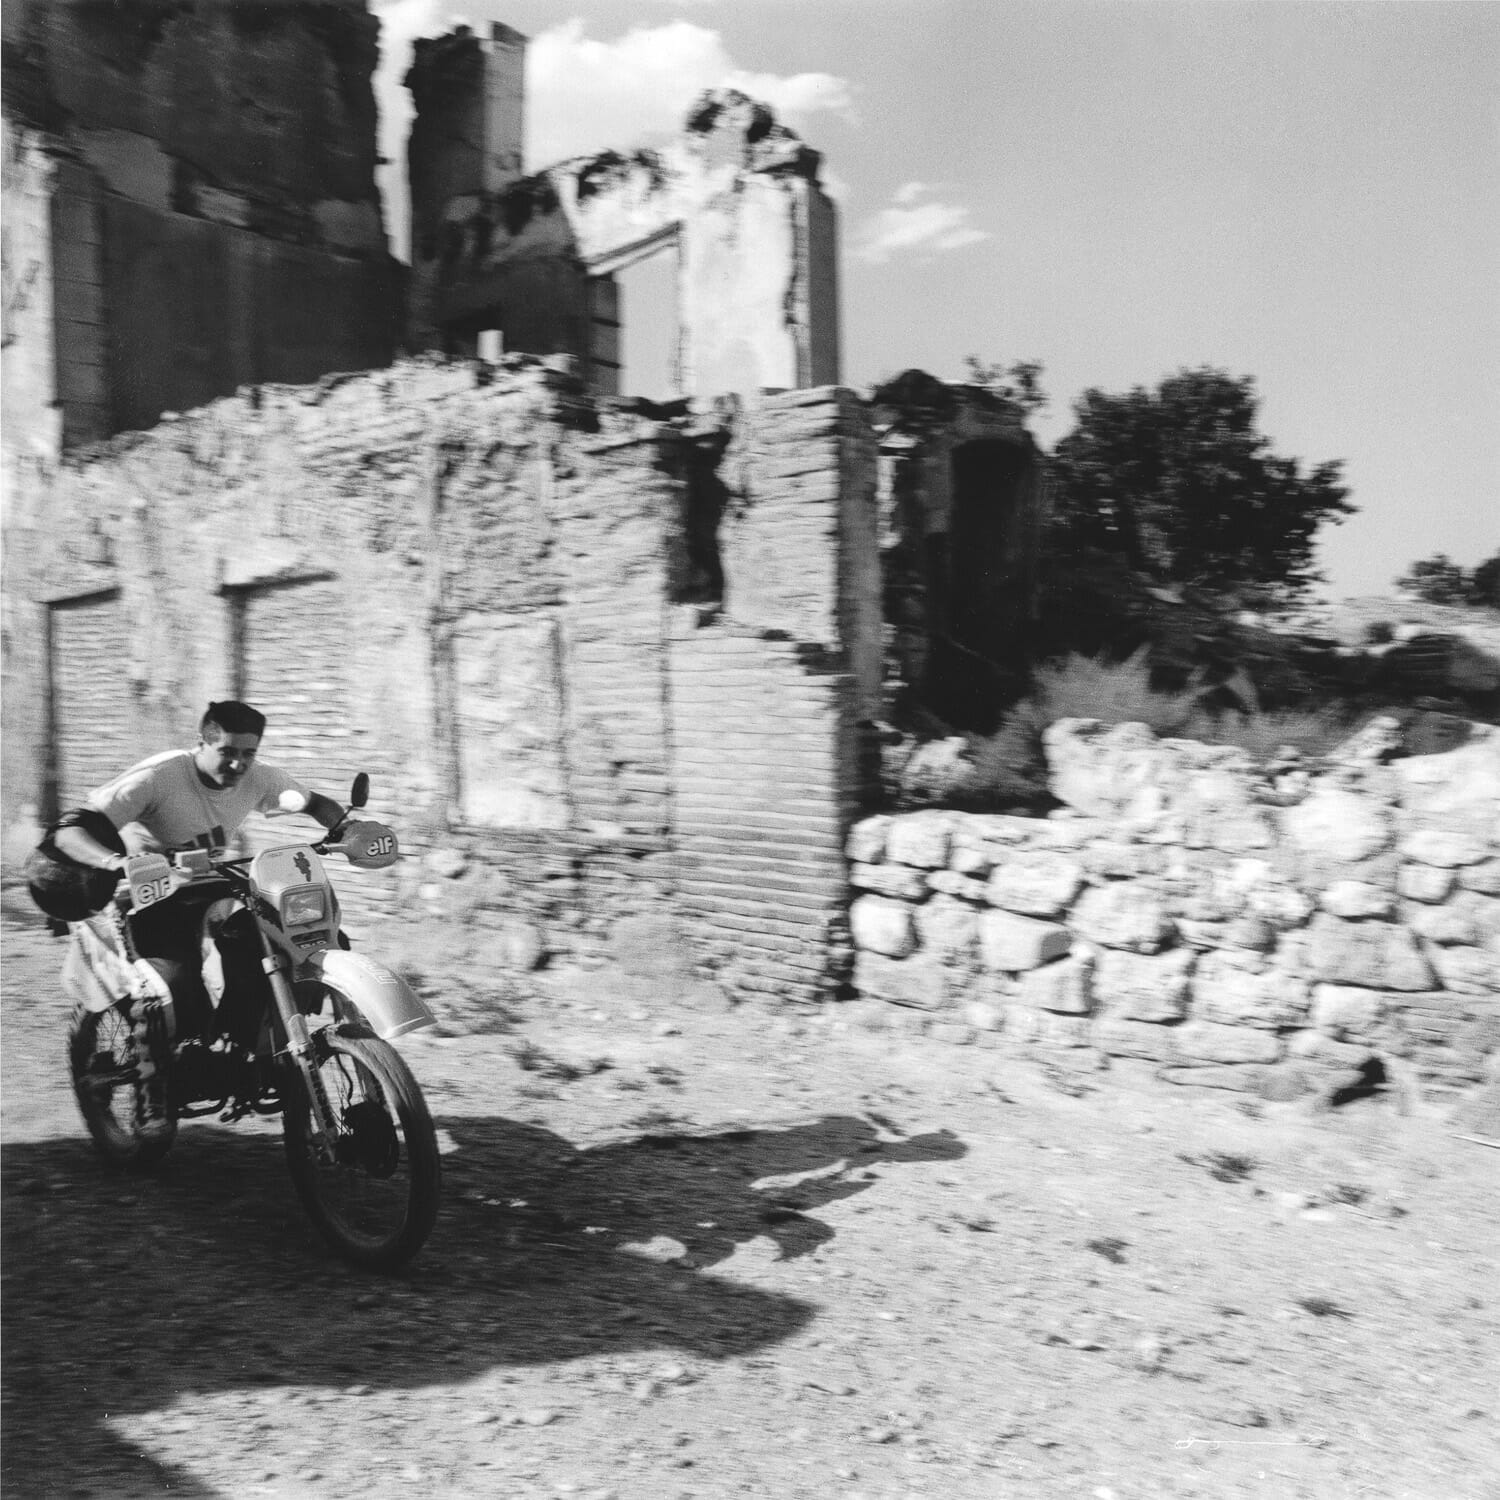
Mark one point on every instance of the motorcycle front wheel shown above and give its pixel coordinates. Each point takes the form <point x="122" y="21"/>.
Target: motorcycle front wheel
<point x="374" y="1193"/>
<point x="104" y="1066"/>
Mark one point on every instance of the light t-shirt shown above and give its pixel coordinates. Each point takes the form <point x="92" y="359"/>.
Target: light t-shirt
<point x="162" y="804"/>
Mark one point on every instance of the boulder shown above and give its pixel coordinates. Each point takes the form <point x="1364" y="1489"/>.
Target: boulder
<point x="883" y="926"/>
<point x="948" y="929"/>
<point x="1447" y="848"/>
<point x="1484" y="878"/>
<point x="920" y="839"/>
<point x="918" y="981"/>
<point x="1119" y="1036"/>
<point x="1035" y="883"/>
<point x="1376" y="955"/>
<point x="1347" y="1013"/>
<point x="1126" y="915"/>
<point x="965" y="887"/>
<point x="1064" y="985"/>
<point x="1013" y="944"/>
<point x="1207" y="1041"/>
<point x="1424" y="882"/>
<point x="1337" y="824"/>
<point x="1144" y="986"/>
<point x="1356" y="898"/>
<point x="1227" y="993"/>
<point x="1467" y="971"/>
<point x="866" y="842"/>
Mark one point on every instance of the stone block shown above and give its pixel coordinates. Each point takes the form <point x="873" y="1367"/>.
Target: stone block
<point x="1039" y="883"/>
<point x="965" y="887"/>
<point x="1208" y="1041"/>
<point x="1144" y="986"/>
<point x="1377" y="955"/>
<point x="1227" y="993"/>
<point x="1484" y="878"/>
<point x="1327" y="1051"/>
<point x="1424" y="882"/>
<point x="1065" y="985"/>
<point x="955" y="1033"/>
<point x="883" y="926"/>
<point x="948" y="929"/>
<point x="1123" y="915"/>
<point x="1119" y="1036"/>
<point x="1346" y="1012"/>
<point x="866" y="843"/>
<point x="1239" y="1078"/>
<point x="1339" y="824"/>
<point x="1282" y="906"/>
<point x="1467" y="971"/>
<point x="1013" y="944"/>
<point x="1356" y="899"/>
<point x="917" y="981"/>
<point x="1035" y="1027"/>
<point x="982" y="1015"/>
<point x="1236" y="832"/>
<point x="920" y="839"/>
<point x="970" y="852"/>
<point x="1444" y="925"/>
<point x="1253" y="934"/>
<point x="900" y="882"/>
<point x="1445" y="848"/>
<point x="1117" y="859"/>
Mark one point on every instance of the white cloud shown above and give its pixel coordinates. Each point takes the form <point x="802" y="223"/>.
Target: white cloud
<point x="401" y="23"/>
<point x="911" y="226"/>
<point x="584" y="94"/>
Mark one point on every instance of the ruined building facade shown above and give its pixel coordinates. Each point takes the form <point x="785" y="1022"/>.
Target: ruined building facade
<point x="190" y="207"/>
<point x="598" y="654"/>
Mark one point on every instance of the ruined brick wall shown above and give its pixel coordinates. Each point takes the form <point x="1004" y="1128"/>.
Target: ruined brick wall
<point x="213" y="217"/>
<point x="1278" y="938"/>
<point x="773" y="695"/>
<point x="586" y="670"/>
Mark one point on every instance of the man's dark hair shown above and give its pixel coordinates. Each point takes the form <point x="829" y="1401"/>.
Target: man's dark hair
<point x="232" y="717"/>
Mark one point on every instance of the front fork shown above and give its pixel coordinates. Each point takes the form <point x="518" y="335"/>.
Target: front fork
<point x="299" y="1044"/>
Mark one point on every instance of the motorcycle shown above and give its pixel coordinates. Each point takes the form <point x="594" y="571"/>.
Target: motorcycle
<point x="313" y="1046"/>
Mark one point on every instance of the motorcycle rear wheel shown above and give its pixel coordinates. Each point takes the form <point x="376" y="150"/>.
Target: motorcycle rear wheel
<point x="101" y="1060"/>
<point x="377" y="1201"/>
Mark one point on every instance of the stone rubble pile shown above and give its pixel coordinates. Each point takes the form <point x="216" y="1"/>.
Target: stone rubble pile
<point x="1268" y="934"/>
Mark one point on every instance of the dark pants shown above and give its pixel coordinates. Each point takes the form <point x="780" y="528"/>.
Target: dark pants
<point x="170" y="935"/>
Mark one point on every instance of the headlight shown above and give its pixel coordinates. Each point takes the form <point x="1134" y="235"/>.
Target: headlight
<point x="302" y="906"/>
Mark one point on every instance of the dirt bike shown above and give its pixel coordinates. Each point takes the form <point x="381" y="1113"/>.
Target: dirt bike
<point x="313" y="1045"/>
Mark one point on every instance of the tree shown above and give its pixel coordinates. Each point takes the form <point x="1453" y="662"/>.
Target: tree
<point x="1440" y="580"/>
<point x="1020" y="383"/>
<point x="1181" y="484"/>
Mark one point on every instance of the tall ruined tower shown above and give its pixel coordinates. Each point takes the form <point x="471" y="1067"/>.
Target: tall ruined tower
<point x="193" y="198"/>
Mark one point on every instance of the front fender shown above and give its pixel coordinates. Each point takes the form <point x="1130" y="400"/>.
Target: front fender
<point x="384" y="999"/>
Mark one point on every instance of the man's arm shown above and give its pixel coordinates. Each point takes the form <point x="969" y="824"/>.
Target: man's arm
<point x="86" y="849"/>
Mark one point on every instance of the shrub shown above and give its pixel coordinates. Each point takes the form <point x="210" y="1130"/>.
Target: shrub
<point x="1009" y="768"/>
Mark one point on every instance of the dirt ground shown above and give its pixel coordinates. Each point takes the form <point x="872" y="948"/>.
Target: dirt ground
<point x="736" y="1253"/>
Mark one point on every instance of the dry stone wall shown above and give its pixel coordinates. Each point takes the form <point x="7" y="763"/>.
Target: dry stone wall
<point x="1279" y="935"/>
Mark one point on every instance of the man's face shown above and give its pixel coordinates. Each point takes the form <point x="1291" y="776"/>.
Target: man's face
<point x="222" y="759"/>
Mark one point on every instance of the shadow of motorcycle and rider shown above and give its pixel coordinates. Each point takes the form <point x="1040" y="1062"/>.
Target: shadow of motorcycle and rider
<point x="211" y="1279"/>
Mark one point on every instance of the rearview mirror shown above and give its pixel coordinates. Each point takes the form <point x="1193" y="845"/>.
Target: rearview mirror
<point x="359" y="793"/>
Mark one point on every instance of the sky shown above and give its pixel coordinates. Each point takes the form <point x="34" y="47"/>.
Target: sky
<point x="1303" y="191"/>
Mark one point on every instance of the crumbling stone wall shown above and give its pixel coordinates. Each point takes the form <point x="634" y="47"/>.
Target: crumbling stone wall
<point x="1278" y="936"/>
<point x="590" y="658"/>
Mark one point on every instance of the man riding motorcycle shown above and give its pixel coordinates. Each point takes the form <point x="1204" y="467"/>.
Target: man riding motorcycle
<point x="181" y="799"/>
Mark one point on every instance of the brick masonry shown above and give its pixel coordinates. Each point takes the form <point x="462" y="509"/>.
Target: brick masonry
<point x="472" y="583"/>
